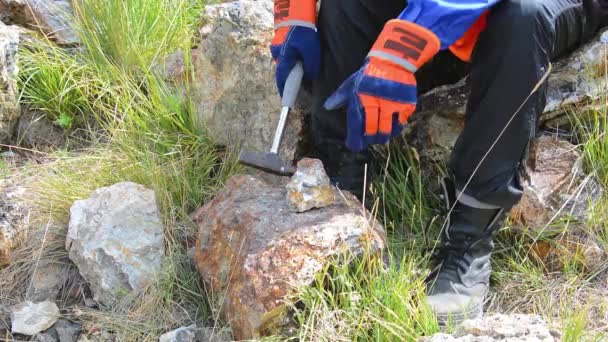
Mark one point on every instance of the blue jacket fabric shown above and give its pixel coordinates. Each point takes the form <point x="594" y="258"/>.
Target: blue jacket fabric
<point x="448" y="19"/>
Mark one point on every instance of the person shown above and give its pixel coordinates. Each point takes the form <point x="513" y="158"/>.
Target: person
<point x="362" y="57"/>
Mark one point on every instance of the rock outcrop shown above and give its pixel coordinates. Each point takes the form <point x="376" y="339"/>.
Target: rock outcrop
<point x="53" y="18"/>
<point x="556" y="188"/>
<point x="29" y="318"/>
<point x="499" y="328"/>
<point x="235" y="93"/>
<point x="115" y="238"/>
<point x="9" y="104"/>
<point x="254" y="252"/>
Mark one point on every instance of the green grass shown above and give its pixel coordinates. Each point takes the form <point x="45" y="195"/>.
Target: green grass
<point x="130" y="126"/>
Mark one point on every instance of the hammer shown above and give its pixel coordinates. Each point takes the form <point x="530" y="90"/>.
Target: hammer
<point x="271" y="162"/>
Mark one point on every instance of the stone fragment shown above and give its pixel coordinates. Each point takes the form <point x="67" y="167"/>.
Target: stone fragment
<point x="309" y="187"/>
<point x="67" y="331"/>
<point x="574" y="82"/>
<point x="54" y="18"/>
<point x="9" y="70"/>
<point x="47" y="336"/>
<point x="256" y="252"/>
<point x="47" y="281"/>
<point x="115" y="238"/>
<point x="235" y="93"/>
<point x="183" y="334"/>
<point x="555" y="186"/>
<point x="29" y="318"/>
<point x="499" y="328"/>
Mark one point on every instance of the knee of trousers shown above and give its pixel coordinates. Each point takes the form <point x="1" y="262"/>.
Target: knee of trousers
<point x="523" y="22"/>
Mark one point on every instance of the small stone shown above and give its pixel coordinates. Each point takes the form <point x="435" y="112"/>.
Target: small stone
<point x="309" y="187"/>
<point x="183" y="334"/>
<point x="67" y="331"/>
<point x="47" y="336"/>
<point x="47" y="281"/>
<point x="29" y="318"/>
<point x="213" y="335"/>
<point x="116" y="240"/>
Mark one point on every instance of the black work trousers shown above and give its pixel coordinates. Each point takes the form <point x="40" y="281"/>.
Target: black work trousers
<point x="511" y="57"/>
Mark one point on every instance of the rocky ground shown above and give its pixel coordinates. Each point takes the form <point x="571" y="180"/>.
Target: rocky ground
<point x="259" y="241"/>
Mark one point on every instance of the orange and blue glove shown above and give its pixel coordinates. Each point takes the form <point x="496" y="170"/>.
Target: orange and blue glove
<point x="382" y="95"/>
<point x="295" y="39"/>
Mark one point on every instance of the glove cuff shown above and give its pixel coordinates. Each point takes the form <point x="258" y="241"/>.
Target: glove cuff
<point x="295" y="13"/>
<point x="405" y="44"/>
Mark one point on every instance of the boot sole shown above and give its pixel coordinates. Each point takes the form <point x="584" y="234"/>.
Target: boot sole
<point x="457" y="318"/>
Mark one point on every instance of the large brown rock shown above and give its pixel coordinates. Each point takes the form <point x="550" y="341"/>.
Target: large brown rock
<point x="574" y="82"/>
<point x="232" y="85"/>
<point x="254" y="252"/>
<point x="556" y="187"/>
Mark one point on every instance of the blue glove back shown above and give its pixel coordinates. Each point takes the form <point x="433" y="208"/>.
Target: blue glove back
<point x="298" y="43"/>
<point x="448" y="19"/>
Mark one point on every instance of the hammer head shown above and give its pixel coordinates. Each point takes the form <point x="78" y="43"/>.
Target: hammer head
<point x="268" y="162"/>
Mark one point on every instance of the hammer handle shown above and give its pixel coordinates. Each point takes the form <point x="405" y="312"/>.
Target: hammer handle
<point x="290" y="94"/>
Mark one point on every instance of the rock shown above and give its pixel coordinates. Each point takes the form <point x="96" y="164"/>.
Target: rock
<point x="256" y="252"/>
<point x="309" y="187"/>
<point x="36" y="130"/>
<point x="115" y="238"/>
<point x="47" y="336"/>
<point x="506" y="328"/>
<point x="14" y="215"/>
<point x="183" y="334"/>
<point x="555" y="186"/>
<point x="235" y="93"/>
<point x="47" y="281"/>
<point x="572" y="251"/>
<point x="29" y="318"/>
<point x="67" y="331"/>
<point x="51" y="17"/>
<point x="440" y="113"/>
<point x="9" y="103"/>
<point x="213" y="335"/>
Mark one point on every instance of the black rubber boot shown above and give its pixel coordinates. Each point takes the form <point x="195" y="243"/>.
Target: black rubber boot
<point x="460" y="280"/>
<point x="345" y="169"/>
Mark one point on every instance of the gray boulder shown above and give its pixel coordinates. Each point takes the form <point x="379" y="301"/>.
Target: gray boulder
<point x="51" y="17"/>
<point x="233" y="86"/>
<point x="499" y="328"/>
<point x="29" y="318"/>
<point x="115" y="238"/>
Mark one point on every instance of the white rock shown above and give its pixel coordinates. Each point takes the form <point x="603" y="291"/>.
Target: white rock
<point x="28" y="318"/>
<point x="115" y="238"/>
<point x="499" y="328"/>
